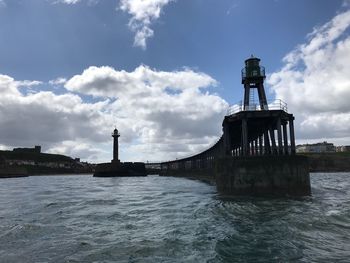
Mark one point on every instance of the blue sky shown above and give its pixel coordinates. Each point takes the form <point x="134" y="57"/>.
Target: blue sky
<point x="164" y="71"/>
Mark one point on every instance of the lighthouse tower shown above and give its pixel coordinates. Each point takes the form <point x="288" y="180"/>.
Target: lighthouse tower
<point x="115" y="136"/>
<point x="253" y="76"/>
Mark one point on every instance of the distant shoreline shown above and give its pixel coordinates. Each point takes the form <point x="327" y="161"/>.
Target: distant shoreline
<point x="318" y="162"/>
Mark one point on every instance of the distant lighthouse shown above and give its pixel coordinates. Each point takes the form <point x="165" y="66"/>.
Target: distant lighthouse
<point x="116" y="168"/>
<point x="115" y="136"/>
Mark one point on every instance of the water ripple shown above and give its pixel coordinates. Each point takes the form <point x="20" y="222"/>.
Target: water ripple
<point x="161" y="219"/>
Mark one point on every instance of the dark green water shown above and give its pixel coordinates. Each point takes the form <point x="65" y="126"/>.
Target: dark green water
<point x="160" y="219"/>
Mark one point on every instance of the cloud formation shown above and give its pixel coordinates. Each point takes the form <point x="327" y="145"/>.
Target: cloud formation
<point x="160" y="115"/>
<point x="27" y="119"/>
<point x="143" y="13"/>
<point x="315" y="81"/>
<point x="167" y="113"/>
<point x="69" y="2"/>
<point x="78" y="149"/>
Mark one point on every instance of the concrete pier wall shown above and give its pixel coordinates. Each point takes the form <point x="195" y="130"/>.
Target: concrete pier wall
<point x="254" y="175"/>
<point x="263" y="175"/>
<point x="11" y="172"/>
<point x="206" y="175"/>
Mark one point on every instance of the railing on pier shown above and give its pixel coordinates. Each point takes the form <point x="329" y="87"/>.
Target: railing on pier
<point x="266" y="135"/>
<point x="276" y="104"/>
<point x="202" y="160"/>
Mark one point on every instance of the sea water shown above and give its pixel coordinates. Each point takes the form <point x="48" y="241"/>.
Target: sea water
<point x="80" y="218"/>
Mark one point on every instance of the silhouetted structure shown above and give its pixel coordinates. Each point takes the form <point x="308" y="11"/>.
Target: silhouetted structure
<point x="36" y="149"/>
<point x="116" y="168"/>
<point x="254" y="130"/>
<point x="36" y="162"/>
<point x="115" y="136"/>
<point x="253" y="76"/>
<point x="256" y="153"/>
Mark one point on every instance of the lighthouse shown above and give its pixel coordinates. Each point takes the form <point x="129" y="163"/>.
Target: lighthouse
<point x="253" y="75"/>
<point x="116" y="168"/>
<point x="115" y="136"/>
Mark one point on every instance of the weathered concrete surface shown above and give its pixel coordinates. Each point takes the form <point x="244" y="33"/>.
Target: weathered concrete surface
<point x="206" y="175"/>
<point x="12" y="172"/>
<point x="120" y="169"/>
<point x="329" y="162"/>
<point x="263" y="175"/>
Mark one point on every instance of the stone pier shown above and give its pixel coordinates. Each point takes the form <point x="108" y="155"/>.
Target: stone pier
<point x="263" y="175"/>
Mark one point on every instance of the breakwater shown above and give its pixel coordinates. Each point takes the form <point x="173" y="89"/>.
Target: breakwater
<point x="11" y="172"/>
<point x="263" y="175"/>
<point x="329" y="162"/>
<point x="252" y="175"/>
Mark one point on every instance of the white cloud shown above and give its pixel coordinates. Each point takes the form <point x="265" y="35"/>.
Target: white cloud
<point x="142" y="34"/>
<point x="28" y="83"/>
<point x="346" y="3"/>
<point x="69" y="2"/>
<point x="58" y="81"/>
<point x="159" y="114"/>
<point x="2" y="3"/>
<point x="106" y="81"/>
<point x="73" y="2"/>
<point x="143" y="14"/>
<point x="315" y="81"/>
<point x="48" y="119"/>
<point x="77" y="149"/>
<point x="4" y="148"/>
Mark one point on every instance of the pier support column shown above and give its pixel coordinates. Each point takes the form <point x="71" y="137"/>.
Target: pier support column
<point x="273" y="141"/>
<point x="279" y="137"/>
<point x="227" y="139"/>
<point x="245" y="137"/>
<point x="260" y="145"/>
<point x="285" y="138"/>
<point x="291" y="134"/>
<point x="267" y="148"/>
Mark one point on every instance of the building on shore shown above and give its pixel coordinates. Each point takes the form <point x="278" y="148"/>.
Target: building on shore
<point x="343" y="148"/>
<point x="37" y="162"/>
<point x="36" y="149"/>
<point x="320" y="147"/>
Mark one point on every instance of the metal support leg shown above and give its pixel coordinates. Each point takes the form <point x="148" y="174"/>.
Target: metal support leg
<point x="267" y="147"/>
<point x="260" y="145"/>
<point x="246" y="96"/>
<point x="279" y="137"/>
<point x="262" y="97"/>
<point x="285" y="138"/>
<point x="292" y="137"/>
<point x="273" y="141"/>
<point x="245" y="137"/>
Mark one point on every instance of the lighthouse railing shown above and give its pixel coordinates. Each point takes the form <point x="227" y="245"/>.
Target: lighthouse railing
<point x="276" y="104"/>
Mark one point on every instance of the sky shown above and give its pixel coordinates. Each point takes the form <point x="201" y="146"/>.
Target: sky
<point x="164" y="72"/>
